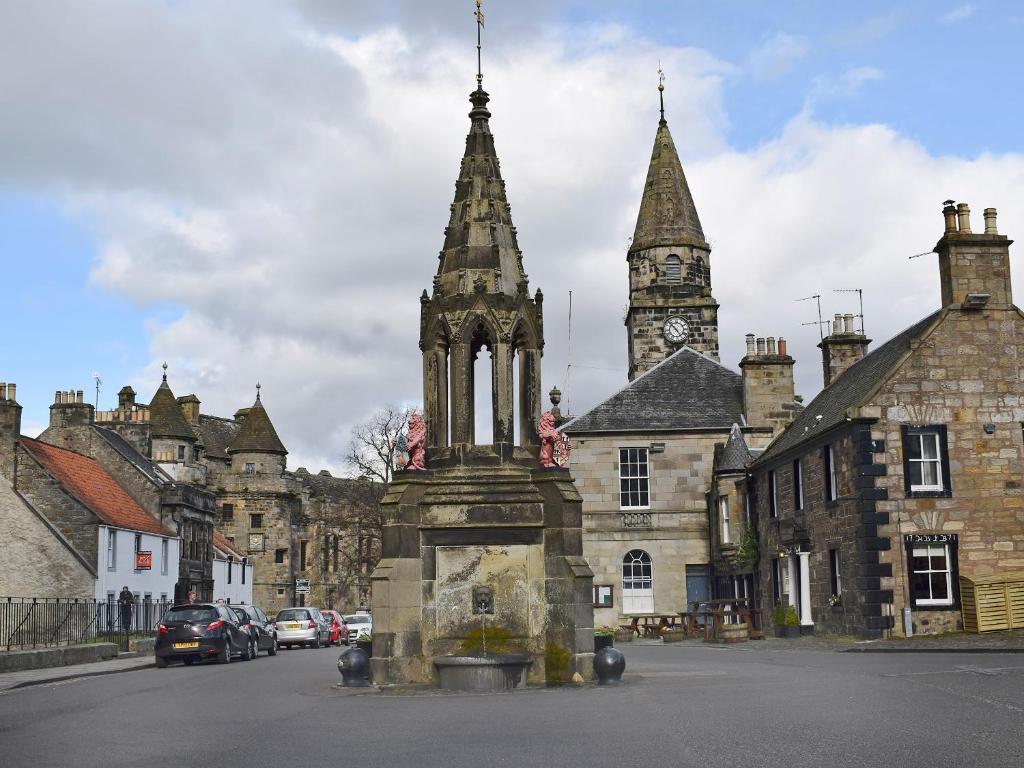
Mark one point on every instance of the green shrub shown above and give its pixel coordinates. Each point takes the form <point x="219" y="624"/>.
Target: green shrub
<point x="780" y="615"/>
<point x="604" y="631"/>
<point x="792" y="620"/>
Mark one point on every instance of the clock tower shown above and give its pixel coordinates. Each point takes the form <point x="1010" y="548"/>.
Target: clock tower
<point x="670" y="302"/>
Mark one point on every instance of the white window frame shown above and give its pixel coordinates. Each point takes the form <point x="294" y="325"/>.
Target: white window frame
<point x="111" y="549"/>
<point x="937" y="461"/>
<point x="832" y="485"/>
<point x="798" y="485"/>
<point x="723" y="513"/>
<point x="928" y="549"/>
<point x="641" y="476"/>
<point x="834" y="562"/>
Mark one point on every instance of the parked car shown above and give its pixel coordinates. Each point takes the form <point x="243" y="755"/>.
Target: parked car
<point x="195" y="632"/>
<point x="259" y="626"/>
<point x="301" y="626"/>
<point x="339" y="629"/>
<point x="358" y="624"/>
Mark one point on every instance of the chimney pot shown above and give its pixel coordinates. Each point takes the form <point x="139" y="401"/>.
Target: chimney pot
<point x="782" y="346"/>
<point x="949" y="214"/>
<point x="11" y="391"/>
<point x="57" y="396"/>
<point x="760" y="346"/>
<point x="3" y="390"/>
<point x="837" y="325"/>
<point x="750" y="344"/>
<point x="990" y="222"/>
<point x="81" y="397"/>
<point x="848" y="323"/>
<point x="963" y="214"/>
<point x="771" y="345"/>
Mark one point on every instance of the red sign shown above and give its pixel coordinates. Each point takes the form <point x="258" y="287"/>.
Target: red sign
<point x="143" y="561"/>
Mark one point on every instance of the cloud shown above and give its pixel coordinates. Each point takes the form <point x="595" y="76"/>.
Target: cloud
<point x="958" y="14"/>
<point x="777" y="56"/>
<point x="846" y="85"/>
<point x="282" y="172"/>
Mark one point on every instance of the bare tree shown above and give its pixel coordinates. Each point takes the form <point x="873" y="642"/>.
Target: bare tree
<point x="371" y="452"/>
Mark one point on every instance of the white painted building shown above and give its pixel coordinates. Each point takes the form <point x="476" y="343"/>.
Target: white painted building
<point x="232" y="573"/>
<point x="121" y="551"/>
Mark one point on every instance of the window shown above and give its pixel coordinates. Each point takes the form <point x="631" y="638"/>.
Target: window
<point x="256" y="521"/>
<point x="111" y="549"/>
<point x="776" y="581"/>
<point x="279" y="555"/>
<point x="829" y="457"/>
<point x="773" y="507"/>
<point x="932" y="565"/>
<point x="245" y="562"/>
<point x="673" y="269"/>
<point x="634" y="489"/>
<point x="925" y="461"/>
<point x="165" y="556"/>
<point x="798" y="485"/>
<point x="280" y="591"/>
<point x="835" y="580"/>
<point x="138" y="543"/>
<point x="603" y="596"/>
<point x="723" y="512"/>
<point x="227" y="512"/>
<point x="303" y="551"/>
<point x="163" y="597"/>
<point x="231" y="561"/>
<point x="637" y="582"/>
<point x="195" y="453"/>
<point x="181" y="453"/>
<point x="250" y="468"/>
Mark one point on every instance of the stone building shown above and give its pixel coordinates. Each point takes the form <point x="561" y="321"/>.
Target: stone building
<point x="904" y="473"/>
<point x="644" y="458"/>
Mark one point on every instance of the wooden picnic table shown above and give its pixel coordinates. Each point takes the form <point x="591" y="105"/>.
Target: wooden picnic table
<point x="707" y="617"/>
<point x="650" y="624"/>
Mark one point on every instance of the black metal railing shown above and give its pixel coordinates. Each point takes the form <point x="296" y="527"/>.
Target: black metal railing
<point x="43" y="622"/>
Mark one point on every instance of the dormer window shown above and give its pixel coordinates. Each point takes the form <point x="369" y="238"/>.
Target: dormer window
<point x="673" y="270"/>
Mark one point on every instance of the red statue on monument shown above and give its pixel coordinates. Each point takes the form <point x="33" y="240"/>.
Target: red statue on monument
<point x="416" y="440"/>
<point x="550" y="441"/>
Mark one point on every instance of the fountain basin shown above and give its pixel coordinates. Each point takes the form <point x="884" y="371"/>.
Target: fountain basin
<point x="483" y="673"/>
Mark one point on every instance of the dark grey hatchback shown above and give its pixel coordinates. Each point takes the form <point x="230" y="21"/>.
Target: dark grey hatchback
<point x="194" y="632"/>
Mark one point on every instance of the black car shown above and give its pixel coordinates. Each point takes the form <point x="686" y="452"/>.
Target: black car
<point x="196" y="631"/>
<point x="259" y="627"/>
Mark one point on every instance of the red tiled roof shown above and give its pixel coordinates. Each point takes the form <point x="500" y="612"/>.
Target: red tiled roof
<point x="220" y="542"/>
<point x="88" y="482"/>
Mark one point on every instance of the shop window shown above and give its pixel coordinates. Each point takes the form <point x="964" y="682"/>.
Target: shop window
<point x="634" y="479"/>
<point x="925" y="461"/>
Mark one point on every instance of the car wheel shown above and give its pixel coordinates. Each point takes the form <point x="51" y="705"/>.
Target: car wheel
<point x="224" y="657"/>
<point x="316" y="643"/>
<point x="161" y="663"/>
<point x="189" y="661"/>
<point x="272" y="650"/>
<point x="247" y="653"/>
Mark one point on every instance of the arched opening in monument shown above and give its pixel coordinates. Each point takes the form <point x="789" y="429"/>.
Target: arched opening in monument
<point x="481" y="376"/>
<point x="524" y="397"/>
<point x="517" y="407"/>
<point x="435" y="387"/>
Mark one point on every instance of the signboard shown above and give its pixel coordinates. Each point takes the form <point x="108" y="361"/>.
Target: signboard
<point x="143" y="561"/>
<point x="302" y="586"/>
<point x="930" y="538"/>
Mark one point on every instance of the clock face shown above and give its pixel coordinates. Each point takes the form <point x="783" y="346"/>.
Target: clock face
<point x="676" y="329"/>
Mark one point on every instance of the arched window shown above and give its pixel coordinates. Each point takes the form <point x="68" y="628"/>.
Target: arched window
<point x="637" y="582"/>
<point x="673" y="269"/>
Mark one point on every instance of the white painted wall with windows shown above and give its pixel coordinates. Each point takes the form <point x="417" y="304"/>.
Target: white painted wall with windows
<point x="232" y="580"/>
<point x="116" y="566"/>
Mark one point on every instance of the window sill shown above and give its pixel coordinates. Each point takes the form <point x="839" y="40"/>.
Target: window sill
<point x="929" y="494"/>
<point x="943" y="607"/>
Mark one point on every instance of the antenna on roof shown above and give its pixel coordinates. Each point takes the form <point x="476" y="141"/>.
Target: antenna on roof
<point x="568" y="358"/>
<point x="860" y="298"/>
<point x="817" y="298"/>
<point x="98" y="380"/>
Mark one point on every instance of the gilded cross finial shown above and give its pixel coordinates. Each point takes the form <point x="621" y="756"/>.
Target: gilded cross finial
<point x="165" y="371"/>
<point x="661" y="91"/>
<point x="479" y="26"/>
<point x="257" y="391"/>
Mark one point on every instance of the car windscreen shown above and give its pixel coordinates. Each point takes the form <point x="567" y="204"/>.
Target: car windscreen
<point x="357" y="619"/>
<point x="293" y="614"/>
<point x="191" y="614"/>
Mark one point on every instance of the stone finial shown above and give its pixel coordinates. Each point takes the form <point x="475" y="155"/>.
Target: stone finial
<point x="990" y="222"/>
<point x="963" y="215"/>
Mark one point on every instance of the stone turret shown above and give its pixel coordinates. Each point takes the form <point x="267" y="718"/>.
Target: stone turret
<point x="257" y="443"/>
<point x="10" y="428"/>
<point x="670" y="302"/>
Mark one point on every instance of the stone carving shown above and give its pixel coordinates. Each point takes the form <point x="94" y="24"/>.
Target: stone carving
<point x="554" y="446"/>
<point x="416" y="441"/>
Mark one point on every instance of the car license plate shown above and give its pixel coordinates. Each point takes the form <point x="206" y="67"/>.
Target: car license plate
<point x="186" y="645"/>
<point x="293" y="625"/>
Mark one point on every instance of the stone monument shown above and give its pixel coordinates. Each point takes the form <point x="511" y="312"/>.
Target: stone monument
<point x="482" y="548"/>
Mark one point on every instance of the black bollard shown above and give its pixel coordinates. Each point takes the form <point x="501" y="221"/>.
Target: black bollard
<point x="609" y="664"/>
<point x="354" y="666"/>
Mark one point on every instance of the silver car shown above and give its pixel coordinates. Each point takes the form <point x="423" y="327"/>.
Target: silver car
<point x="358" y="624"/>
<point x="301" y="626"/>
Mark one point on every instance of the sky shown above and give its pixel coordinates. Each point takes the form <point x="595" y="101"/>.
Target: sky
<point x="256" y="190"/>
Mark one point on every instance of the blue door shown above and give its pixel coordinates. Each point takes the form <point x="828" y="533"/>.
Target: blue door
<point x="698" y="584"/>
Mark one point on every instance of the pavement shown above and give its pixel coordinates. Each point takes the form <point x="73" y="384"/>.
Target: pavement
<point x="679" y="705"/>
<point x="125" y="662"/>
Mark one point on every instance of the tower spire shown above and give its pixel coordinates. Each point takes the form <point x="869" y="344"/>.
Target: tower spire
<point x="661" y="92"/>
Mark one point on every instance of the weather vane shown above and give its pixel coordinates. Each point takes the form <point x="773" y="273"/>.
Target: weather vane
<point x="479" y="26"/>
<point x="661" y="91"/>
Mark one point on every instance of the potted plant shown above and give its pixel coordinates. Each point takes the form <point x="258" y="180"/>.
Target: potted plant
<point x="836" y="601"/>
<point x="779" y="620"/>
<point x="604" y="637"/>
<point x="791" y="623"/>
<point x="670" y="634"/>
<point x="624" y="634"/>
<point x="365" y="643"/>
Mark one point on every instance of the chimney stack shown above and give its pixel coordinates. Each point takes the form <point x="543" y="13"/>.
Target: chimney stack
<point x="974" y="268"/>
<point x="10" y="429"/>
<point x="69" y="409"/>
<point x="190" y="407"/>
<point x="841" y="348"/>
<point x="768" y="390"/>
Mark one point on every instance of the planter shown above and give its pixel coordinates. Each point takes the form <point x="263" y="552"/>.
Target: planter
<point x="609" y="664"/>
<point x="623" y="636"/>
<point x="603" y="641"/>
<point x="733" y="633"/>
<point x="791" y="631"/>
<point x="780" y="631"/>
<point x="673" y="636"/>
<point x="483" y="673"/>
<point x="366" y="646"/>
<point x="354" y="666"/>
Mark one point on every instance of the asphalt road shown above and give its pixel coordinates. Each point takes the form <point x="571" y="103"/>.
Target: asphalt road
<point x="679" y="706"/>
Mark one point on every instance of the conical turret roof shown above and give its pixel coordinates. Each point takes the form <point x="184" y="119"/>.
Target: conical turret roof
<point x="735" y="454"/>
<point x="667" y="213"/>
<point x="257" y="434"/>
<point x="166" y="418"/>
<point x="480" y="240"/>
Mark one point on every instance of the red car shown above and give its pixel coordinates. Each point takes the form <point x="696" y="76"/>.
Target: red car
<point x="338" y="627"/>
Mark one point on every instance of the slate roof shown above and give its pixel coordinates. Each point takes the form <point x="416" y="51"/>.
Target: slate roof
<point x="685" y="391"/>
<point x="88" y="482"/>
<point x="217" y="433"/>
<point x="257" y="434"/>
<point x="220" y="542"/>
<point x="850" y="390"/>
<point x="326" y="486"/>
<point x="146" y="466"/>
<point x="166" y="417"/>
<point x="735" y="454"/>
<point x="667" y="214"/>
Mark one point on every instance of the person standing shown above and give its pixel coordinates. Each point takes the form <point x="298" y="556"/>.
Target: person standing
<point x="125" y="603"/>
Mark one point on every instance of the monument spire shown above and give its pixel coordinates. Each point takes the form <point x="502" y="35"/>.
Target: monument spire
<point x="479" y="27"/>
<point x="661" y="93"/>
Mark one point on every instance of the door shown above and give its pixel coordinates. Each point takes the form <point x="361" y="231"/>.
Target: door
<point x="637" y="583"/>
<point x="698" y="584"/>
